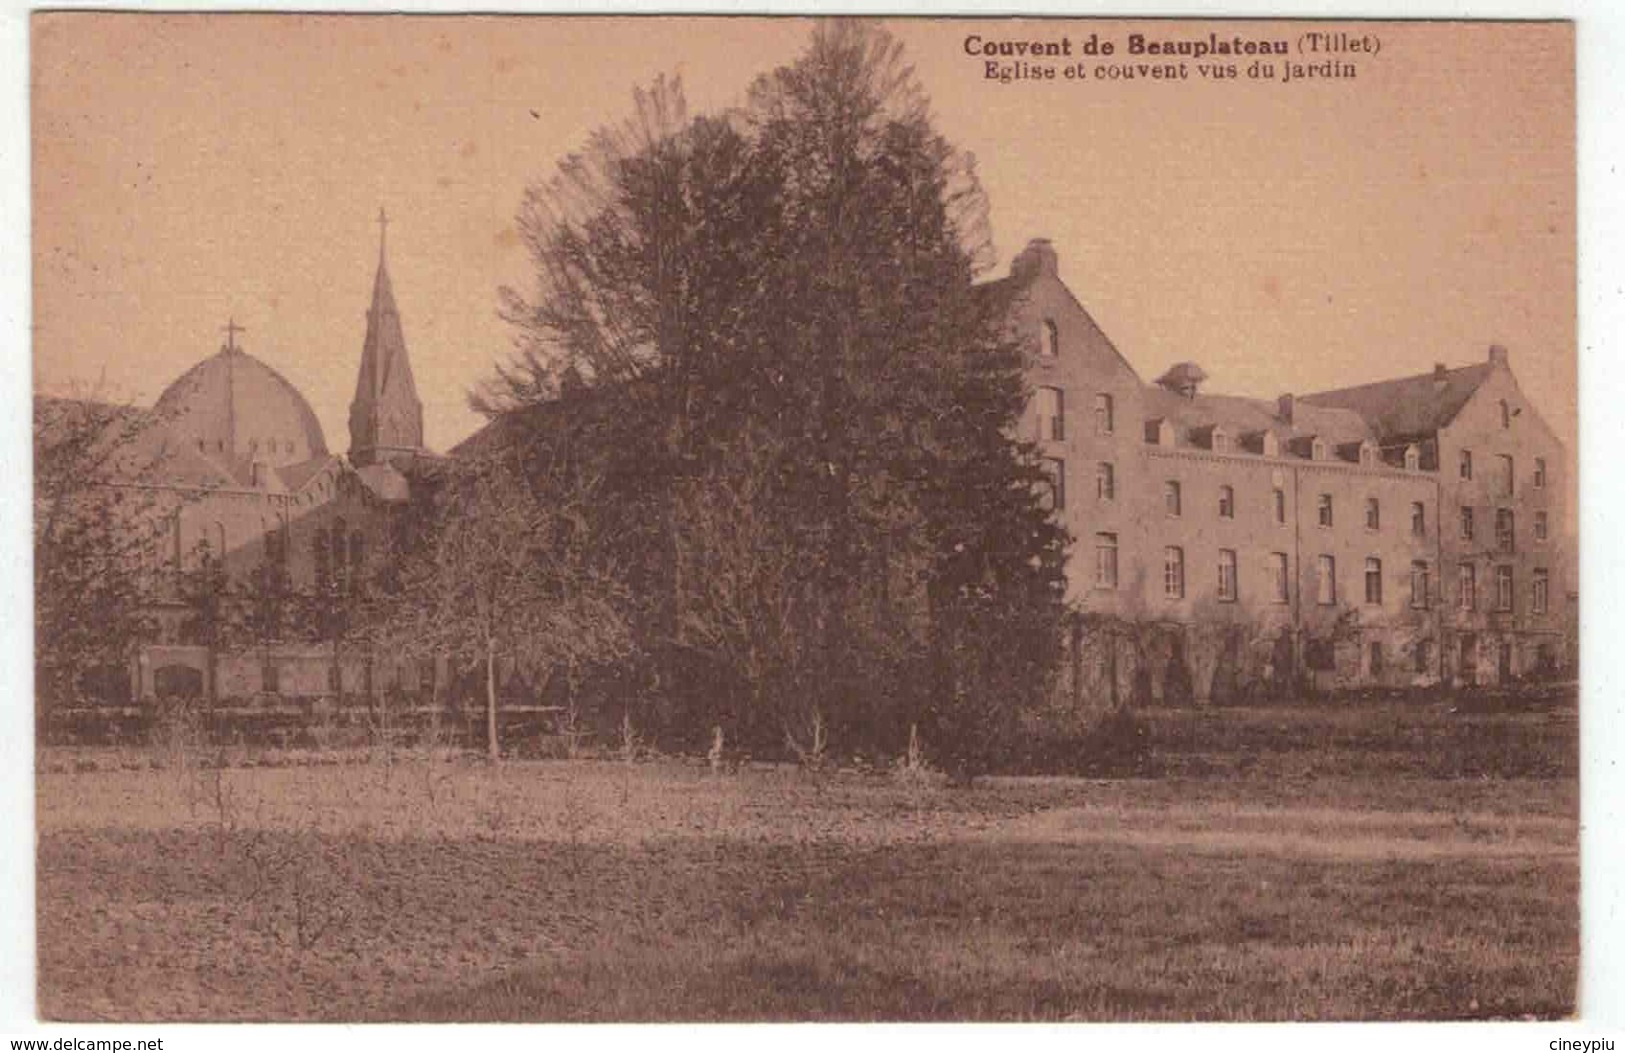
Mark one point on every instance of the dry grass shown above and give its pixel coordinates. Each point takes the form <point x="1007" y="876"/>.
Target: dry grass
<point x="428" y="889"/>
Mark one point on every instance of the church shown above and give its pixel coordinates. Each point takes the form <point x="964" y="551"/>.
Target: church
<point x="232" y="466"/>
<point x="1409" y="531"/>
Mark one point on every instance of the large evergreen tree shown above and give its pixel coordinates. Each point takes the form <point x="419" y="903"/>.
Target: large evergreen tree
<point x="828" y="523"/>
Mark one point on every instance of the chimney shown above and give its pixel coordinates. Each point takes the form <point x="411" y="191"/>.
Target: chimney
<point x="1439" y="371"/>
<point x="1283" y="408"/>
<point x="1036" y="259"/>
<point x="1498" y="355"/>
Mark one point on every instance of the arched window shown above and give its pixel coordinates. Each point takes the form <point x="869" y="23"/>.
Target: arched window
<point x="1052" y="339"/>
<point x="1506" y="414"/>
<point x="1373" y="580"/>
<point x="1173" y="572"/>
<point x="337" y="539"/>
<point x="319" y="549"/>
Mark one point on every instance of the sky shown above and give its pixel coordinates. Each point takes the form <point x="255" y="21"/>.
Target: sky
<point x="1288" y="236"/>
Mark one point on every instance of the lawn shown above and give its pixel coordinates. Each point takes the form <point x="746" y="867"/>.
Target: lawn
<point x="1329" y="862"/>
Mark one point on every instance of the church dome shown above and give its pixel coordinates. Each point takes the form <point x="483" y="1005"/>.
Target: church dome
<point x="233" y="407"/>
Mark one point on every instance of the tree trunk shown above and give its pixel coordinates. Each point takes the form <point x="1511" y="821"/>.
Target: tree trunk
<point x="492" y="747"/>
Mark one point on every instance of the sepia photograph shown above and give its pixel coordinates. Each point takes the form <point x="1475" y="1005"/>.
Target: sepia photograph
<point x="702" y="519"/>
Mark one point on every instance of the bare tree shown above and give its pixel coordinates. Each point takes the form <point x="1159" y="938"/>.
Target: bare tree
<point x="504" y="575"/>
<point x="98" y="524"/>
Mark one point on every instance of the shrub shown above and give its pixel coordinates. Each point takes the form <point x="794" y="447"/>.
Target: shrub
<point x="1115" y="745"/>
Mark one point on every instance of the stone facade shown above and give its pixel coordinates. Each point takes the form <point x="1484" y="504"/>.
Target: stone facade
<point x="1233" y="540"/>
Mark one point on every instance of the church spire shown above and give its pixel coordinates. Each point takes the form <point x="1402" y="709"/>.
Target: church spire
<point x="386" y="417"/>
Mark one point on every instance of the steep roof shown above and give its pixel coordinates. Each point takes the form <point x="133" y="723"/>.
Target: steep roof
<point x="1409" y="407"/>
<point x="1241" y="416"/>
<point x="386" y="411"/>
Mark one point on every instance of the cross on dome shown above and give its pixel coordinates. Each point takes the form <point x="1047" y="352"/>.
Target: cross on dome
<point x="231" y="329"/>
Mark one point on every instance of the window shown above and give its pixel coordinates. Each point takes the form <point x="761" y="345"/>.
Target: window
<point x="1506" y="414"/>
<point x="1227" y="502"/>
<point x="1051" y="339"/>
<point x="320" y="550"/>
<point x="1506" y="480"/>
<point x="276" y="547"/>
<point x="1413" y="458"/>
<point x="1373" y="514"/>
<point x="1466" y="523"/>
<point x="1540" y="526"/>
<point x="1539" y="591"/>
<point x="1051" y="414"/>
<point x="1467" y="464"/>
<point x="1503" y="588"/>
<point x="1376" y="658"/>
<point x="1280" y="505"/>
<point x="1105" y="481"/>
<point x="1055" y="468"/>
<point x="1173" y="572"/>
<point x="1317" y="450"/>
<point x="1103" y="414"/>
<point x="1424" y="656"/>
<point x="1373" y="580"/>
<point x="1324" y="510"/>
<point x="1419" y="519"/>
<point x="1170" y="497"/>
<point x="1105" y="561"/>
<point x="1368" y="455"/>
<point x="1540" y="473"/>
<point x="1221" y="441"/>
<point x="1278" y="577"/>
<point x="357" y="553"/>
<point x="1505" y="538"/>
<point x="1419" y="584"/>
<point x="1227" y="575"/>
<point x="1467" y="587"/>
<point x="1325" y="581"/>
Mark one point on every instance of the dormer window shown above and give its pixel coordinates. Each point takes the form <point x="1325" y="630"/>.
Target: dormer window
<point x="1221" y="441"/>
<point x="1051" y="339"/>
<point x="1413" y="458"/>
<point x="1272" y="445"/>
<point x="1317" y="450"/>
<point x="1368" y="454"/>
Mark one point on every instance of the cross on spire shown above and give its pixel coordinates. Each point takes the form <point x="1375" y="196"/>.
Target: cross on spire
<point x="231" y="329"/>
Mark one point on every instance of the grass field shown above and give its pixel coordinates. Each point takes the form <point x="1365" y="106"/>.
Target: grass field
<point x="1378" y="860"/>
